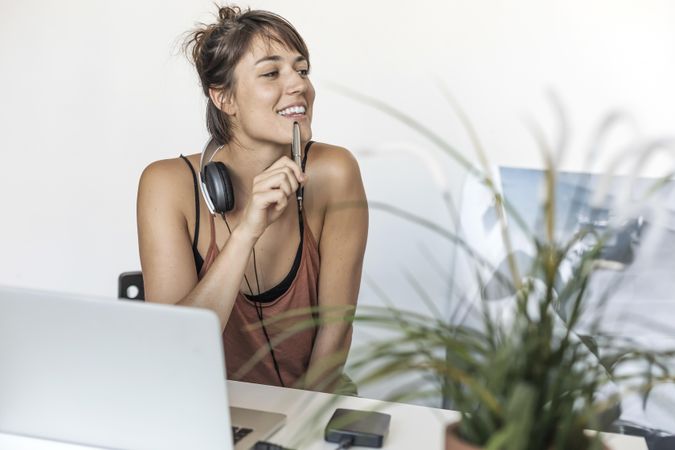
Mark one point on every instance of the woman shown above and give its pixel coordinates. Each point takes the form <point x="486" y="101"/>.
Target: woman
<point x="271" y="253"/>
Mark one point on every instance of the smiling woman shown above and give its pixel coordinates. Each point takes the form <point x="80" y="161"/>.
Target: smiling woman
<point x="264" y="255"/>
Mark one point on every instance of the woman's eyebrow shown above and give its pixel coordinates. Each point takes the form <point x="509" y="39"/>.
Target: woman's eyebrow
<point x="278" y="58"/>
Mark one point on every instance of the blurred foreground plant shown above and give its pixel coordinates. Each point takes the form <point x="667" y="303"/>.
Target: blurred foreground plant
<point x="532" y="380"/>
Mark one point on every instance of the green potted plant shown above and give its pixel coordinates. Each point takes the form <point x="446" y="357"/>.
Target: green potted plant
<point x="533" y="381"/>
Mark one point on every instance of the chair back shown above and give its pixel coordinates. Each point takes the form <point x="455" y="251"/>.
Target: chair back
<point x="130" y="286"/>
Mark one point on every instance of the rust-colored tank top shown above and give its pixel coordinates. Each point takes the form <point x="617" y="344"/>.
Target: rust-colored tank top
<point x="243" y="336"/>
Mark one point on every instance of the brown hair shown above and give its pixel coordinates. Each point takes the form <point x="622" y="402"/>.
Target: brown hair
<point x="215" y="49"/>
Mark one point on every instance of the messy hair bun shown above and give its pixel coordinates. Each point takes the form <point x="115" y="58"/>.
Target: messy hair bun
<point x="215" y="49"/>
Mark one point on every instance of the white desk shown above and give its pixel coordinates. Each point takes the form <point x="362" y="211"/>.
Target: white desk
<point x="412" y="427"/>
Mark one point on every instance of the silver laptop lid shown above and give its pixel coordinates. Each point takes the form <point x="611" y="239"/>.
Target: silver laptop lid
<point x="111" y="373"/>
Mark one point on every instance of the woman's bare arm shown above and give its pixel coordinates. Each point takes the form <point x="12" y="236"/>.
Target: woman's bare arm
<point x="342" y="246"/>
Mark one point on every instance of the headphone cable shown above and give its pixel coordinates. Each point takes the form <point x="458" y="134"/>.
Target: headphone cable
<point x="259" y="308"/>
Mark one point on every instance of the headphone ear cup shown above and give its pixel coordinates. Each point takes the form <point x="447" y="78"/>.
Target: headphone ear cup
<point x="219" y="187"/>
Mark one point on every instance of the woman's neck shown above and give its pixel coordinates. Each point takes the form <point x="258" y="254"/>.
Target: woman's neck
<point x="251" y="160"/>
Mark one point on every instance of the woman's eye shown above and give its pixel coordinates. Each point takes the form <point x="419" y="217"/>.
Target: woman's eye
<point x="303" y="72"/>
<point x="271" y="74"/>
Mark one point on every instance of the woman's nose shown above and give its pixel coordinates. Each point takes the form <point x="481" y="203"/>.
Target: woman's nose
<point x="296" y="84"/>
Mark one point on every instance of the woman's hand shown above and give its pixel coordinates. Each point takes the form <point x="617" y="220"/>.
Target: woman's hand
<point x="270" y="195"/>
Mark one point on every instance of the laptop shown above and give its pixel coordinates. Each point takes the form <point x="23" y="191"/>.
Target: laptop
<point x="118" y="374"/>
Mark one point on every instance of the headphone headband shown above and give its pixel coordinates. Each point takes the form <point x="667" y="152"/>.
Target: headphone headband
<point x="209" y="151"/>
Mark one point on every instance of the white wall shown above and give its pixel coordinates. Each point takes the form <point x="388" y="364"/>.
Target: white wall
<point x="91" y="91"/>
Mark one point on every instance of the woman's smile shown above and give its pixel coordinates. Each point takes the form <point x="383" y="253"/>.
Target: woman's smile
<point x="272" y="77"/>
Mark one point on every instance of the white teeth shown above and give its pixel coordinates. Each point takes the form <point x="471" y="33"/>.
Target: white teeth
<point x="292" y="110"/>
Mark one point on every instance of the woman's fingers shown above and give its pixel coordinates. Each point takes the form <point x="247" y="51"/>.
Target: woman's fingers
<point x="272" y="198"/>
<point x="283" y="174"/>
<point x="285" y="161"/>
<point x="282" y="204"/>
<point x="280" y="179"/>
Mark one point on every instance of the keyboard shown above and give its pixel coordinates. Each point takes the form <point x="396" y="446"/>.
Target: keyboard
<point x="239" y="433"/>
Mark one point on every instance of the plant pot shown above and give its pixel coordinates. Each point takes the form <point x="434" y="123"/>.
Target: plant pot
<point x="454" y="442"/>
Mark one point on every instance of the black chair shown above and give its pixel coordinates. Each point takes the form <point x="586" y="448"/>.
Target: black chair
<point x="130" y="286"/>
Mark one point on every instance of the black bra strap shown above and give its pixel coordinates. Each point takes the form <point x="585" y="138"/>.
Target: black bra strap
<point x="304" y="158"/>
<point x="302" y="189"/>
<point x="194" y="179"/>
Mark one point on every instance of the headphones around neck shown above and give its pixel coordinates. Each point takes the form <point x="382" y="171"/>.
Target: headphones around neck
<point x="216" y="185"/>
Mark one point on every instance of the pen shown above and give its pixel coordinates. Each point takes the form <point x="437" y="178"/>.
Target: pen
<point x="297" y="157"/>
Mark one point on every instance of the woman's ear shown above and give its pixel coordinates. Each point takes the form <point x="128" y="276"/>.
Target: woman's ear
<point x="223" y="101"/>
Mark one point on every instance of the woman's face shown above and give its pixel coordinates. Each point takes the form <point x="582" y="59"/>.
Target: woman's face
<point x="272" y="90"/>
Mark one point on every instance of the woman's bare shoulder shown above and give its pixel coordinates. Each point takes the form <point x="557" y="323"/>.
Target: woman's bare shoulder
<point x="169" y="180"/>
<point x="333" y="176"/>
<point x="332" y="163"/>
<point x="169" y="168"/>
